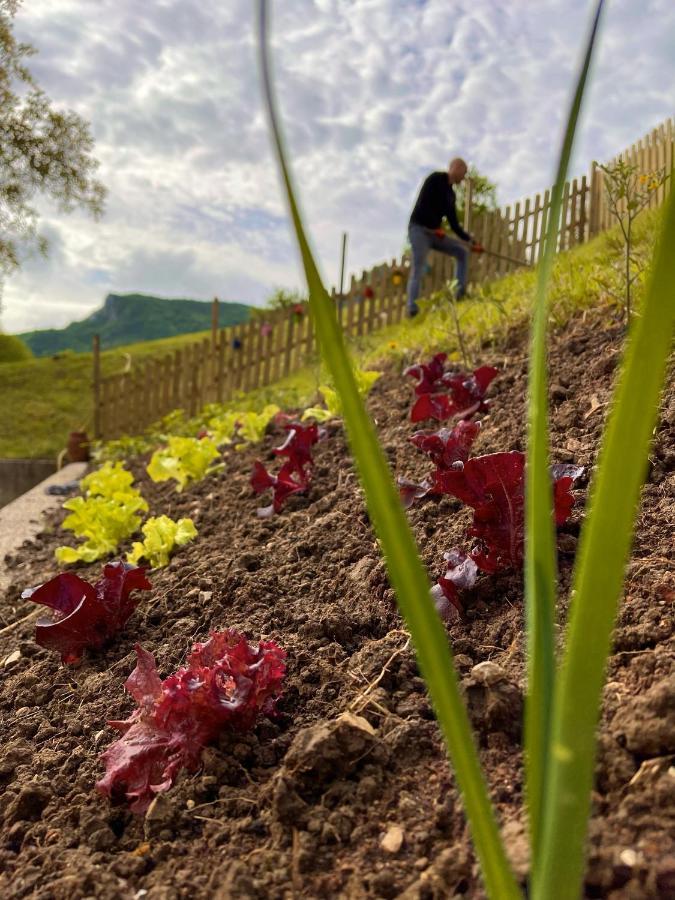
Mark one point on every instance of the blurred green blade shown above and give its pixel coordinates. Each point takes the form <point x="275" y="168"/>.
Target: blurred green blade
<point x="403" y="564"/>
<point x="603" y="554"/>
<point x="540" y="558"/>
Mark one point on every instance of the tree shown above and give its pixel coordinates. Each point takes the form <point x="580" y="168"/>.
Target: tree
<point x="280" y="298"/>
<point x="483" y="194"/>
<point x="43" y="151"/>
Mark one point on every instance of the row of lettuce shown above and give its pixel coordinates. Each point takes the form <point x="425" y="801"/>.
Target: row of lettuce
<point x="227" y="681"/>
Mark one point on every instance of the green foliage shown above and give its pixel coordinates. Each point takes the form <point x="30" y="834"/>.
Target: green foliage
<point x="599" y="573"/>
<point x="106" y="515"/>
<point x="13" y="349"/>
<point x="365" y="379"/>
<point x="483" y="194"/>
<point x="126" y="318"/>
<point x="628" y="193"/>
<point x="109" y="480"/>
<point x="280" y="299"/>
<point x="121" y="448"/>
<point x="222" y="428"/>
<point x="103" y="522"/>
<point x="161" y="535"/>
<point x="253" y="425"/>
<point x="184" y="459"/>
<point x="43" y="151"/>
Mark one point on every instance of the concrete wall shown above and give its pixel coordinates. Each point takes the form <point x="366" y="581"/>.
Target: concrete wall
<point x="19" y="475"/>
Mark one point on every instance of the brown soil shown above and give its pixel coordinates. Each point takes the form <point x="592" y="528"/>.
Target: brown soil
<point x="348" y="792"/>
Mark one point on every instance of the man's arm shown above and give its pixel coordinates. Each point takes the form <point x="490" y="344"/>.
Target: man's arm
<point x="454" y="222"/>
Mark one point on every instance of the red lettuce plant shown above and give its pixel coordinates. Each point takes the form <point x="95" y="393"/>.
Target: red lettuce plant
<point x="85" y="615"/>
<point x="295" y="474"/>
<point x="282" y="485"/>
<point x="460" y="575"/>
<point x="447" y="449"/>
<point x="227" y="682"/>
<point x="442" y="395"/>
<point x="494" y="486"/>
<point x="428" y="375"/>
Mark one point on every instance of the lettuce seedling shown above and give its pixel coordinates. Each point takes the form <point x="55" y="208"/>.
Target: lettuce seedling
<point x="103" y="522"/>
<point x="428" y="375"/>
<point x="85" y="615"/>
<point x="294" y="475"/>
<point x="442" y="395"/>
<point x="468" y="391"/>
<point x="446" y="448"/>
<point x="296" y="448"/>
<point x="221" y="429"/>
<point x="110" y="480"/>
<point x="253" y="425"/>
<point x="282" y="485"/>
<point x="105" y="516"/>
<point x="365" y="379"/>
<point x="494" y="486"/>
<point x="161" y="535"/>
<point x="185" y="459"/>
<point x="227" y="683"/>
<point x="460" y="575"/>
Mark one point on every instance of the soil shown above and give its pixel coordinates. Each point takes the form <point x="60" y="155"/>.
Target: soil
<point x="348" y="792"/>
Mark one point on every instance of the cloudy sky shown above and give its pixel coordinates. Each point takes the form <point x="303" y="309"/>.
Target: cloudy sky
<point x="374" y="95"/>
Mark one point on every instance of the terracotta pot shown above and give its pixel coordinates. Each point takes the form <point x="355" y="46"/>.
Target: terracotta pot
<point x="78" y="446"/>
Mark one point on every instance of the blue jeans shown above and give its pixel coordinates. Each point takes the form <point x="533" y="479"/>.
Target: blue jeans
<point x="421" y="241"/>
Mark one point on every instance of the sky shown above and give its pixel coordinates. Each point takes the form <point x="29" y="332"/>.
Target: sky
<point x="374" y="94"/>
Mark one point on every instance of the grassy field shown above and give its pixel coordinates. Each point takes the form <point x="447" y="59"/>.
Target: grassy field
<point x="42" y="400"/>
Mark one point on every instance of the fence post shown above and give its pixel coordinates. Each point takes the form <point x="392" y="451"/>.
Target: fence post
<point x="214" y="323"/>
<point x="594" y="200"/>
<point x="96" y="352"/>
<point x="467" y="205"/>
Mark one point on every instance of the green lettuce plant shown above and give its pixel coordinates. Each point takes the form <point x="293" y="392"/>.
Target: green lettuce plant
<point x="364" y="378"/>
<point x="184" y="459"/>
<point x="253" y="425"/>
<point x="222" y="428"/>
<point x="106" y="515"/>
<point x="103" y="522"/>
<point x="563" y="702"/>
<point x="161" y="535"/>
<point x="109" y="480"/>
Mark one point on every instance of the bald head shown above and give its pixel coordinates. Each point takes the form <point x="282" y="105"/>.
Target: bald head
<point x="457" y="170"/>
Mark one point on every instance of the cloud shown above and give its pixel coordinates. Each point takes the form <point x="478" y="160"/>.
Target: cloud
<point x="373" y="93"/>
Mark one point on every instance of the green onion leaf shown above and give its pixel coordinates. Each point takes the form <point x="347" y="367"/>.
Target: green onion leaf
<point x="405" y="569"/>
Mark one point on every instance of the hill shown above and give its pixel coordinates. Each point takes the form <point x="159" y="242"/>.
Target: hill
<point x="128" y="318"/>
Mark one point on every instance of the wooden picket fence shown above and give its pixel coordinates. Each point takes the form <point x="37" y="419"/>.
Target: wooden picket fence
<point x="259" y="352"/>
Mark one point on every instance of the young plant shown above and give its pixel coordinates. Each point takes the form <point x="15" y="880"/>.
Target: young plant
<point x="253" y="425"/>
<point x="294" y="475"/>
<point x="460" y="575"/>
<point x="86" y="616"/>
<point x="161" y="535"/>
<point x="494" y="486"/>
<point x="365" y="380"/>
<point x="227" y="683"/>
<point x="443" y="395"/>
<point x="222" y="429"/>
<point x="107" y="515"/>
<point x="628" y="193"/>
<point x="184" y="459"/>
<point x="447" y="449"/>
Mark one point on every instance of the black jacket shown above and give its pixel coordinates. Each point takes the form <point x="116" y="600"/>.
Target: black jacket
<point x="435" y="200"/>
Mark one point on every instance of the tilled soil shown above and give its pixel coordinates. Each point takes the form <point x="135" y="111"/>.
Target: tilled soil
<point x="347" y="793"/>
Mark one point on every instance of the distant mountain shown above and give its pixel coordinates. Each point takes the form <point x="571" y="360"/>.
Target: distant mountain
<point x="130" y="318"/>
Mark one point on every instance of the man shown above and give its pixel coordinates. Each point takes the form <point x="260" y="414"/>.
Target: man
<point x="437" y="199"/>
